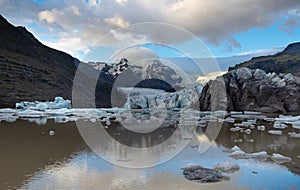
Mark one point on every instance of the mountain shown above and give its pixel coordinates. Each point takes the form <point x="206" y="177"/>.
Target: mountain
<point x="287" y="61"/>
<point x="265" y="84"/>
<point x="29" y="70"/>
<point x="146" y="69"/>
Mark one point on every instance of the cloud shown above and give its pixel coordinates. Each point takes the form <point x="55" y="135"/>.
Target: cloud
<point x="262" y="52"/>
<point x="116" y="22"/>
<point x="215" y="22"/>
<point x="292" y="22"/>
<point x="135" y="53"/>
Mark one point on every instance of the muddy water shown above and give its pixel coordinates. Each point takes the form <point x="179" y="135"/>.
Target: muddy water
<point x="32" y="159"/>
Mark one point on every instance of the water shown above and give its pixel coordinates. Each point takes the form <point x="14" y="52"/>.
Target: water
<point x="32" y="159"/>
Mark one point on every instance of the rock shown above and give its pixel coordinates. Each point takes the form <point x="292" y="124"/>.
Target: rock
<point x="270" y="93"/>
<point x="244" y="73"/>
<point x="202" y="175"/>
<point x="259" y="74"/>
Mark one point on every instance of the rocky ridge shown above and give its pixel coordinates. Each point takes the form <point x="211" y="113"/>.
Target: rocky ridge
<point x="255" y="90"/>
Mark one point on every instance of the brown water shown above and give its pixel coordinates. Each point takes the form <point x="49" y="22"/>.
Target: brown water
<point x="32" y="159"/>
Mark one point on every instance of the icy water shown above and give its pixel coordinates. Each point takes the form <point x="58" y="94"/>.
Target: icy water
<point x="30" y="158"/>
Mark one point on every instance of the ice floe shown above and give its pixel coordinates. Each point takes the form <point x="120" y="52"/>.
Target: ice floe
<point x="294" y="135"/>
<point x="227" y="167"/>
<point x="58" y="103"/>
<point x="239" y="154"/>
<point x="278" y="158"/>
<point x="275" y="132"/>
<point x="261" y="128"/>
<point x="279" y="125"/>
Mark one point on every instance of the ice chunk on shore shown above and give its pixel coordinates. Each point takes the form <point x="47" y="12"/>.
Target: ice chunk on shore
<point x="227" y="167"/>
<point x="278" y="158"/>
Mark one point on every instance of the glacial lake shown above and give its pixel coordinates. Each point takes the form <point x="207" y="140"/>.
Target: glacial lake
<point x="54" y="155"/>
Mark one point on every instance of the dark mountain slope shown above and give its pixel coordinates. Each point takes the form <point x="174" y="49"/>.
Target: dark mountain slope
<point x="287" y="61"/>
<point x="30" y="70"/>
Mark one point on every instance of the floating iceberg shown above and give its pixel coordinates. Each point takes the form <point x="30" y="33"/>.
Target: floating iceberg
<point x="7" y="110"/>
<point x="261" y="128"/>
<point x="275" y="132"/>
<point x="278" y="158"/>
<point x="58" y="103"/>
<point x="279" y="125"/>
<point x="294" y="135"/>
<point x="227" y="167"/>
<point x="239" y="154"/>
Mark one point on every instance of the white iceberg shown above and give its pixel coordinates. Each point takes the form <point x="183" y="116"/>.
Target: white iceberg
<point x="31" y="114"/>
<point x="239" y="154"/>
<point x="7" y="110"/>
<point x="275" y="132"/>
<point x="261" y="128"/>
<point x="58" y="103"/>
<point x="296" y="124"/>
<point x="279" y="125"/>
<point x="278" y="158"/>
<point x="294" y="135"/>
<point x="227" y="167"/>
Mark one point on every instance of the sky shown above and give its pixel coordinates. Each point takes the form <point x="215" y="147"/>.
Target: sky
<point x="98" y="29"/>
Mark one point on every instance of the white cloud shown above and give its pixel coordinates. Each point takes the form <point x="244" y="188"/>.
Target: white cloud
<point x="262" y="52"/>
<point x="215" y="22"/>
<point x="116" y="22"/>
<point x="135" y="53"/>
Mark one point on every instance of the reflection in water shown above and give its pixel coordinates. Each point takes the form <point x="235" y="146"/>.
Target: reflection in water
<point x="26" y="148"/>
<point x="263" y="141"/>
<point x="32" y="159"/>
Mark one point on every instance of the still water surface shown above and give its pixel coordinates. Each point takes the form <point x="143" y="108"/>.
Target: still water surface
<point x="32" y="159"/>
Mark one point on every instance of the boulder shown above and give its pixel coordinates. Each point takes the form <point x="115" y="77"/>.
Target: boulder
<point x="202" y="175"/>
<point x="254" y="90"/>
